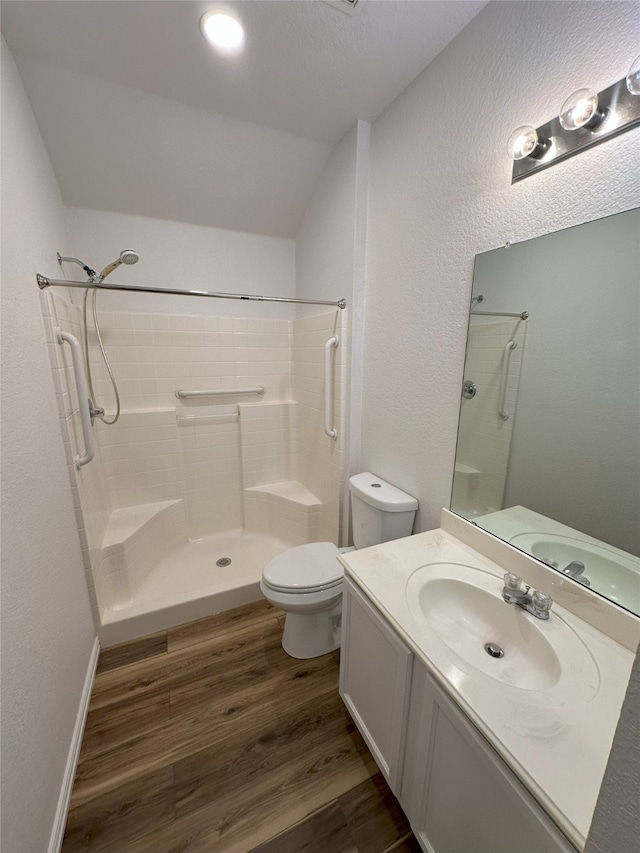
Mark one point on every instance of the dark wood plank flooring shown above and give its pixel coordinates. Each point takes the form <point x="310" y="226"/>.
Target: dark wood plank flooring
<point x="208" y="738"/>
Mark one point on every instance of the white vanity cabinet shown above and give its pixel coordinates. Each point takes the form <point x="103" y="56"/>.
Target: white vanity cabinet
<point x="459" y="795"/>
<point x="375" y="678"/>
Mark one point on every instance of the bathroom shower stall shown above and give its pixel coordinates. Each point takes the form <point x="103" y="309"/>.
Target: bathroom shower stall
<point x="222" y="455"/>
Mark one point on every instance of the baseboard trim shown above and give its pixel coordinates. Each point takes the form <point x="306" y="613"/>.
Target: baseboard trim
<point x="57" y="833"/>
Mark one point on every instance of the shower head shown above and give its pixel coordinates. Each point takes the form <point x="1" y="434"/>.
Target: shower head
<point x="127" y="256"/>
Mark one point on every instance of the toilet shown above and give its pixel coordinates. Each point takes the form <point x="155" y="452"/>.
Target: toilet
<point x="306" y="581"/>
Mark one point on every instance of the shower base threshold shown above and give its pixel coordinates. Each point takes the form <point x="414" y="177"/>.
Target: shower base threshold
<point x="187" y="584"/>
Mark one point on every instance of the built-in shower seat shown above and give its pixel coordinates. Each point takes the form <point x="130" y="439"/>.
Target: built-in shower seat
<point x="135" y="538"/>
<point x="288" y="509"/>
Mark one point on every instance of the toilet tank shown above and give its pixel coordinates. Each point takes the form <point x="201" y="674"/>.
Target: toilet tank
<point x="379" y="511"/>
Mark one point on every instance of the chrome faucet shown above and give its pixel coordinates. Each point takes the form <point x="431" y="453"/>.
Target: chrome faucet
<point x="516" y="591"/>
<point x="575" y="570"/>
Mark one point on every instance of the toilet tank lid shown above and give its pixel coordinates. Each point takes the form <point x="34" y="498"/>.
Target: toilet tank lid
<point x="382" y="495"/>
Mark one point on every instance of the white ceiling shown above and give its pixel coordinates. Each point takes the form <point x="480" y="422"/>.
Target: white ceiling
<point x="141" y="116"/>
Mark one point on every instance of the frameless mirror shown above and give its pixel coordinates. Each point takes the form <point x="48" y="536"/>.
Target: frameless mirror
<point x="548" y="454"/>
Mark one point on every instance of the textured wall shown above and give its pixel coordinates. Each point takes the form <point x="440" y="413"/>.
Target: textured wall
<point x="440" y="192"/>
<point x="616" y="820"/>
<point x="47" y="631"/>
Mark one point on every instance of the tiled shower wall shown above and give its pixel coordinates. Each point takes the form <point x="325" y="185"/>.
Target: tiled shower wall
<point x="484" y="439"/>
<point x="199" y="450"/>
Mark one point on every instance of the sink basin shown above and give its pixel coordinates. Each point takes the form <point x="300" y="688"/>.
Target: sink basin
<point x="610" y="573"/>
<point x="463" y="607"/>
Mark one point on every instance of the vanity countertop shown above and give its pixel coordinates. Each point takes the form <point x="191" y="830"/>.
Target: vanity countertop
<point x="556" y="743"/>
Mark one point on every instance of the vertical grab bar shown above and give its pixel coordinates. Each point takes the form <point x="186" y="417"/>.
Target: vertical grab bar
<point x="330" y="345"/>
<point x="84" y="401"/>
<point x="506" y="358"/>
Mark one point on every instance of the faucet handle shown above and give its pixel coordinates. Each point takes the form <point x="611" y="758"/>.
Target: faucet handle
<point x="541" y="601"/>
<point x="512" y="582"/>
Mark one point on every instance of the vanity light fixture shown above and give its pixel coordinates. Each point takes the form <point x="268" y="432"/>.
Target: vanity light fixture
<point x="586" y="118"/>
<point x="222" y="31"/>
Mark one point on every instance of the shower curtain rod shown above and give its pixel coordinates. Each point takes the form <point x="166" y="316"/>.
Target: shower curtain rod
<point x="524" y="315"/>
<point x="43" y="282"/>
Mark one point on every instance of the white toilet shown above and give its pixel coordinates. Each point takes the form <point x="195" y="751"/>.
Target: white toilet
<point x="306" y="582"/>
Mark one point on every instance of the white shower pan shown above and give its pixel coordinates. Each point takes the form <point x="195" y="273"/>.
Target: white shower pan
<point x="187" y="583"/>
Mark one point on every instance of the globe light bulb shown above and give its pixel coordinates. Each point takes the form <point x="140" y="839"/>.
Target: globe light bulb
<point x="581" y="110"/>
<point x="633" y="77"/>
<point x="525" y="142"/>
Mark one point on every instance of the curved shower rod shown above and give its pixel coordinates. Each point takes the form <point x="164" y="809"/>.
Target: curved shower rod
<point x="43" y="282"/>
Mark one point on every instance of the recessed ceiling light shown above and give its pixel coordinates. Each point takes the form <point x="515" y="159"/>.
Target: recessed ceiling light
<point x="222" y="31"/>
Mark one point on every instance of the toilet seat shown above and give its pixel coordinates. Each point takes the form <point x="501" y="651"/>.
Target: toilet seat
<point x="305" y="569"/>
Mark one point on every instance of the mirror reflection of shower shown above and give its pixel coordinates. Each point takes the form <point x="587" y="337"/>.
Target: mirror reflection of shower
<point x="489" y="393"/>
<point x="127" y="257"/>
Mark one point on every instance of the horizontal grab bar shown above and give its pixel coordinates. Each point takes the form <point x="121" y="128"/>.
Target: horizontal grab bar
<point x="330" y="345"/>
<point x="219" y="392"/>
<point x="523" y="315"/>
<point x="84" y="401"/>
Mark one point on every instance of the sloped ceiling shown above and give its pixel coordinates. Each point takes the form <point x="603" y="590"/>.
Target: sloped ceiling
<point x="141" y="116"/>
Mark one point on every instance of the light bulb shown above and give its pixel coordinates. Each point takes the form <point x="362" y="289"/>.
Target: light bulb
<point x="222" y="31"/>
<point x="525" y="142"/>
<point x="633" y="77"/>
<point x="581" y="110"/>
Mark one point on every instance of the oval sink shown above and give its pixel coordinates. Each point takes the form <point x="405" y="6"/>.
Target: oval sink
<point x="610" y="573"/>
<point x="463" y="606"/>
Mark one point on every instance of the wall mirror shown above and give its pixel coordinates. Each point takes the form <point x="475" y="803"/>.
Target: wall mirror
<point x="548" y="453"/>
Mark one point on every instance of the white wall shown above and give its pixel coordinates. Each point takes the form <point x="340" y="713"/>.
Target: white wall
<point x="183" y="256"/>
<point x="207" y="168"/>
<point x="440" y="192"/>
<point x="325" y="238"/>
<point x="330" y="264"/>
<point x="47" y="630"/>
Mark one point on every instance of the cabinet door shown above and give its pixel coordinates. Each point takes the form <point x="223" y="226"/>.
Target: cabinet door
<point x="459" y="794"/>
<point x="375" y="677"/>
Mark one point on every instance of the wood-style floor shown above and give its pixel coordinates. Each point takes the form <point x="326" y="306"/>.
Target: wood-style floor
<point x="208" y="738"/>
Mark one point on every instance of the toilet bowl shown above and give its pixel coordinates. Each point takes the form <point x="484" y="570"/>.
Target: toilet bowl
<point x="306" y="581"/>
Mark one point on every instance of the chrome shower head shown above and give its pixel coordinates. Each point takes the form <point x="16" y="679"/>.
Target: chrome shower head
<point x="127" y="256"/>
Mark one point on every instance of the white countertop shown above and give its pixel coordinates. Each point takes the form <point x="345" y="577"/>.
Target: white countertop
<point x="556" y="743"/>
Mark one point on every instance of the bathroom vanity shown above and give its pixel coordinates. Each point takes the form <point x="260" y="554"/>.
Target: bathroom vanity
<point x="485" y="754"/>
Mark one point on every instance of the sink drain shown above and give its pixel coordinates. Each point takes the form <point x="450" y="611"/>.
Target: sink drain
<point x="223" y="561"/>
<point x="494" y="650"/>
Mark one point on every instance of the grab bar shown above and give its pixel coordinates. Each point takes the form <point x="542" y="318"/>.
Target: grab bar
<point x="506" y="358"/>
<point x="82" y="387"/>
<point x="330" y="345"/>
<point x="220" y="392"/>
